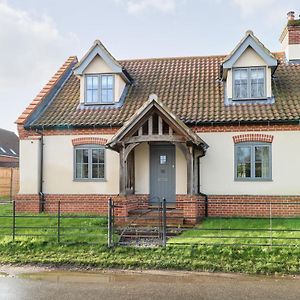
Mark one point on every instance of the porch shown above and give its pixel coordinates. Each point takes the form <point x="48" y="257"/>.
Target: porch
<point x="159" y="159"/>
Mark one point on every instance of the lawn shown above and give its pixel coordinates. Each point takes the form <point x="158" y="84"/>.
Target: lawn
<point x="242" y="231"/>
<point x="30" y="247"/>
<point x="44" y="227"/>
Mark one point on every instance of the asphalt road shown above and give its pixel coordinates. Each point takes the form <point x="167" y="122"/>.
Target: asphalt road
<point x="140" y="285"/>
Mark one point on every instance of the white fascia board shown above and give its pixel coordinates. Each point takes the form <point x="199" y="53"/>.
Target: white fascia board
<point x="250" y="42"/>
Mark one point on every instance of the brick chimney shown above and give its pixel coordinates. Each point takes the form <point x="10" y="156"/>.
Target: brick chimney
<point x="290" y="38"/>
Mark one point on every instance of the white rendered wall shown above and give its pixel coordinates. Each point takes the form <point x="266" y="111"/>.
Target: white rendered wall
<point x="29" y="166"/>
<point x="217" y="167"/>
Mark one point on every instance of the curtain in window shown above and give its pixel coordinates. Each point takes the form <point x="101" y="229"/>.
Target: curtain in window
<point x="82" y="163"/>
<point x="243" y="162"/>
<point x="97" y="163"/>
<point x="257" y="81"/>
<point x="262" y="162"/>
<point x="240" y="83"/>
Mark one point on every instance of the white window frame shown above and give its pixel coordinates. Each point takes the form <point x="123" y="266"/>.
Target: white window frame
<point x="249" y="69"/>
<point x="90" y="148"/>
<point x="99" y="99"/>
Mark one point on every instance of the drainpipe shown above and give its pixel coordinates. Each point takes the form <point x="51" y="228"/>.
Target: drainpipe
<point x="205" y="204"/>
<point x="202" y="194"/>
<point x="41" y="193"/>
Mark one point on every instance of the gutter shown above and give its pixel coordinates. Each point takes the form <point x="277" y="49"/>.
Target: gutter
<point x="240" y="123"/>
<point x="199" y="123"/>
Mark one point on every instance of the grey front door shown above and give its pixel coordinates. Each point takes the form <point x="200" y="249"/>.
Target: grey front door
<point x="162" y="172"/>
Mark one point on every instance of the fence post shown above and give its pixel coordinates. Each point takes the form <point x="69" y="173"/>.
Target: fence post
<point x="271" y="234"/>
<point x="14" y="220"/>
<point x="110" y="224"/>
<point x="58" y="221"/>
<point x="164" y="221"/>
<point x="11" y="184"/>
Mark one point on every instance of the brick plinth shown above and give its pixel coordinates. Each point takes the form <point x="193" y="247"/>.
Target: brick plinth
<point x="253" y="206"/>
<point x="192" y="206"/>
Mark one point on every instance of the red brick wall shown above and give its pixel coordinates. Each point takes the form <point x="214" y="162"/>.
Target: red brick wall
<point x="86" y="203"/>
<point x="236" y="128"/>
<point x="25" y="134"/>
<point x="193" y="207"/>
<point x="253" y="206"/>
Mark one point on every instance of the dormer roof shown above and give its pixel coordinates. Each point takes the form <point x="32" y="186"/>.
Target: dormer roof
<point x="249" y="40"/>
<point x="99" y="49"/>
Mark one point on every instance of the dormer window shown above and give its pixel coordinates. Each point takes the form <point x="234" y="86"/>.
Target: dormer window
<point x="99" y="89"/>
<point x="249" y="83"/>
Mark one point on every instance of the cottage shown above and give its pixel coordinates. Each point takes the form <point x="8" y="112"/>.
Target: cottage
<point x="138" y="130"/>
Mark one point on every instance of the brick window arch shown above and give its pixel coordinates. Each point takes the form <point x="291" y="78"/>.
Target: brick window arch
<point x="253" y="137"/>
<point x="89" y="141"/>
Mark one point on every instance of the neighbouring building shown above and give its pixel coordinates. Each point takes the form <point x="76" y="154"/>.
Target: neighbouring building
<point x="9" y="149"/>
<point x="227" y="126"/>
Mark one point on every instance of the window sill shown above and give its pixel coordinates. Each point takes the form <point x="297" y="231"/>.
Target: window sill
<point x="252" y="180"/>
<point x="98" y="103"/>
<point x="250" y="99"/>
<point x="90" y="180"/>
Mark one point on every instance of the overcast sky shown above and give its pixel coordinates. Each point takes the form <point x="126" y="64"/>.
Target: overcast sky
<point x="36" y="36"/>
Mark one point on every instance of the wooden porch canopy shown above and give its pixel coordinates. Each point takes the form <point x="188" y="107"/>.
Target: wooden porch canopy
<point x="155" y="123"/>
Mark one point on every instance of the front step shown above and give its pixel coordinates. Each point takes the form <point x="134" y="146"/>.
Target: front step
<point x="174" y="217"/>
<point x="143" y="236"/>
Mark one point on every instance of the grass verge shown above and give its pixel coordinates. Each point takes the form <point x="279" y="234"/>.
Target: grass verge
<point x="276" y="231"/>
<point x="251" y="260"/>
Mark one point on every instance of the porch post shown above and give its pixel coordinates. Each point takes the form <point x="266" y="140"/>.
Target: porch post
<point x="122" y="171"/>
<point x="190" y="171"/>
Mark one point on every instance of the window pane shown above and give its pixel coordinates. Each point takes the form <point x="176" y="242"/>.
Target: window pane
<point x="262" y="162"/>
<point x="81" y="171"/>
<point x="85" y="171"/>
<point x="110" y="82"/>
<point x="110" y="95"/>
<point x="95" y="171"/>
<point x="243" y="162"/>
<point x="85" y="154"/>
<point x="104" y="97"/>
<point x="79" y="156"/>
<point x="101" y="171"/>
<point x="107" y="86"/>
<point x="162" y="159"/>
<point x="241" y="83"/>
<point x="78" y="171"/>
<point x="95" y="96"/>
<point x="92" y="89"/>
<point x="81" y="162"/>
<point x="89" y="82"/>
<point x="257" y="83"/>
<point x="89" y="96"/>
<point x="95" y="155"/>
<point x="104" y="82"/>
<point x="82" y="155"/>
<point x="101" y="157"/>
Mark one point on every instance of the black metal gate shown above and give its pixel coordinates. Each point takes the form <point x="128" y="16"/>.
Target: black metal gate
<point x="144" y="227"/>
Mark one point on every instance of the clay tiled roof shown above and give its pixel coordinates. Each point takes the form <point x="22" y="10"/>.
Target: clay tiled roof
<point x="46" y="90"/>
<point x="189" y="86"/>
